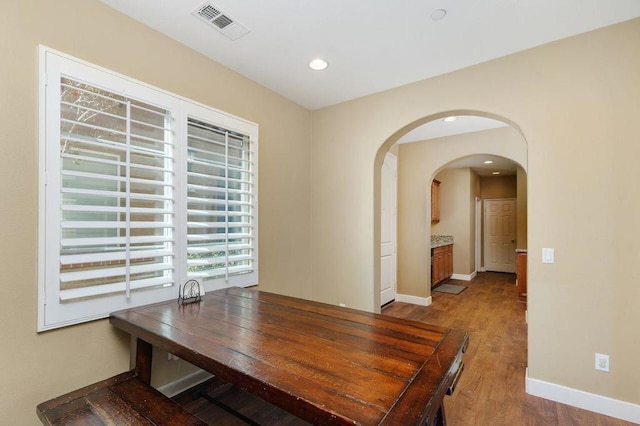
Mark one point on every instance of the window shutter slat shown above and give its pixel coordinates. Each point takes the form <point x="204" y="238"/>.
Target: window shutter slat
<point x="112" y="256"/>
<point x="112" y="272"/>
<point x="65" y="224"/>
<point x="84" y="292"/>
<point x="90" y="242"/>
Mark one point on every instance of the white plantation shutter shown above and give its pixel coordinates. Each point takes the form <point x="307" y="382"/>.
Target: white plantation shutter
<point x="115" y="193"/>
<point x="221" y="204"/>
<point x="139" y="189"/>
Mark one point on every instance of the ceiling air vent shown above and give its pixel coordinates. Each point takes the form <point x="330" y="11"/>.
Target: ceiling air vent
<point x="221" y="21"/>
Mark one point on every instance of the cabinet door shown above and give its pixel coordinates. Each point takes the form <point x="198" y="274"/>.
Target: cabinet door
<point x="441" y="264"/>
<point x="436" y="265"/>
<point x="436" y="268"/>
<point x="449" y="261"/>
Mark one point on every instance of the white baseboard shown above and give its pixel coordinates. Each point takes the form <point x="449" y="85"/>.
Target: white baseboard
<point x="585" y="400"/>
<point x="464" y="277"/>
<point x="176" y="387"/>
<point x="414" y="300"/>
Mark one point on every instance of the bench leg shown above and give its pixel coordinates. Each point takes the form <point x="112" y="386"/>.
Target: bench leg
<point x="439" y="419"/>
<point x="144" y="354"/>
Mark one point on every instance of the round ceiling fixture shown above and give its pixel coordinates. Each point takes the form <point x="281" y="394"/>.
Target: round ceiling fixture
<point x="488" y="162"/>
<point x="449" y="119"/>
<point x="318" y="64"/>
<point x="438" y="14"/>
<point x="495" y="173"/>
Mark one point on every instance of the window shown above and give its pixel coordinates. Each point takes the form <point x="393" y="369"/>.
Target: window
<point x="219" y="202"/>
<point x="139" y="190"/>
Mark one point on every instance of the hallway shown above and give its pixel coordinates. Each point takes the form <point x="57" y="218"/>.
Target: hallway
<point x="492" y="388"/>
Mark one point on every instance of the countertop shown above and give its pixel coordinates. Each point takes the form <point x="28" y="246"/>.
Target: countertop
<point x="441" y="240"/>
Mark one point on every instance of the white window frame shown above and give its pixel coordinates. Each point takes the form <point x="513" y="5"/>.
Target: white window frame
<point x="54" y="65"/>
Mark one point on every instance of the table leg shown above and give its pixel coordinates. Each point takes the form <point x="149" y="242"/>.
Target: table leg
<point x="144" y="352"/>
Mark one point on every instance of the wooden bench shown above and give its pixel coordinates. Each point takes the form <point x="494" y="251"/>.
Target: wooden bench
<point x="120" y="400"/>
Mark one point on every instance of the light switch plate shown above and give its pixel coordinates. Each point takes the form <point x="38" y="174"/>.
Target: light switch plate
<point x="547" y="255"/>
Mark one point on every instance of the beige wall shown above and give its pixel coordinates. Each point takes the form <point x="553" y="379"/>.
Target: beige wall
<point x="576" y="103"/>
<point x="521" y="209"/>
<point x="455" y="192"/>
<point x="36" y="367"/>
<point x="498" y="187"/>
<point x="418" y="163"/>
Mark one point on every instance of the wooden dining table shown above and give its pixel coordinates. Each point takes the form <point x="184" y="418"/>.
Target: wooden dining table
<point x="322" y="363"/>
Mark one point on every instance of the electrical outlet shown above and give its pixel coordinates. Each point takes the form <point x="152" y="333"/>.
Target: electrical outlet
<point x="602" y="362"/>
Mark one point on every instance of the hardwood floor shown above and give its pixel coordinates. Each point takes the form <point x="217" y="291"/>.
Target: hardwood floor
<point x="491" y="390"/>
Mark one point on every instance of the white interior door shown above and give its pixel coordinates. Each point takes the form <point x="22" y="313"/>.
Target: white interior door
<point x="388" y="246"/>
<point x="500" y="235"/>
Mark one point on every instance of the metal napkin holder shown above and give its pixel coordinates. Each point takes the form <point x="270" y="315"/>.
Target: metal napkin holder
<point x="191" y="291"/>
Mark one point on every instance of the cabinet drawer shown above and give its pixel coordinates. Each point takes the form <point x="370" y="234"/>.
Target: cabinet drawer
<point x="439" y="250"/>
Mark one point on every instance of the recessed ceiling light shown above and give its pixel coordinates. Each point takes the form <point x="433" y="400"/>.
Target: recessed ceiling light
<point x="495" y="173"/>
<point x="449" y="119"/>
<point x="438" y="14"/>
<point x="318" y="64"/>
<point x="488" y="162"/>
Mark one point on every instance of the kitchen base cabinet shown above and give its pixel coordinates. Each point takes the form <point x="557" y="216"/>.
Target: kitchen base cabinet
<point x="441" y="264"/>
<point x="521" y="275"/>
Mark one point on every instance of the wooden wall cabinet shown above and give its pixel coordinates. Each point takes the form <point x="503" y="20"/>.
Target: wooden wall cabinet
<point x="435" y="201"/>
<point x="441" y="264"/>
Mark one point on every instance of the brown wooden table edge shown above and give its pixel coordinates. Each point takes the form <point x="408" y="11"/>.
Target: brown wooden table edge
<point x="445" y="362"/>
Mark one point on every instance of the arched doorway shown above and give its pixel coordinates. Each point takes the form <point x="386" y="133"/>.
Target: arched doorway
<point x="428" y="157"/>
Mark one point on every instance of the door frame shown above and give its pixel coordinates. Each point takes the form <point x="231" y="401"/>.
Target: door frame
<point x="392" y="160"/>
<point x="479" y="239"/>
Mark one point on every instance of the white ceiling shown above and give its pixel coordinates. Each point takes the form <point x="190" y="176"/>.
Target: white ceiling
<point x="440" y="128"/>
<point x="503" y="166"/>
<point x="371" y="45"/>
<point x="375" y="45"/>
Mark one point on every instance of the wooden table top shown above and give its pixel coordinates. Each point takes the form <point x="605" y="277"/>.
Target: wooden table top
<point x="323" y="363"/>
